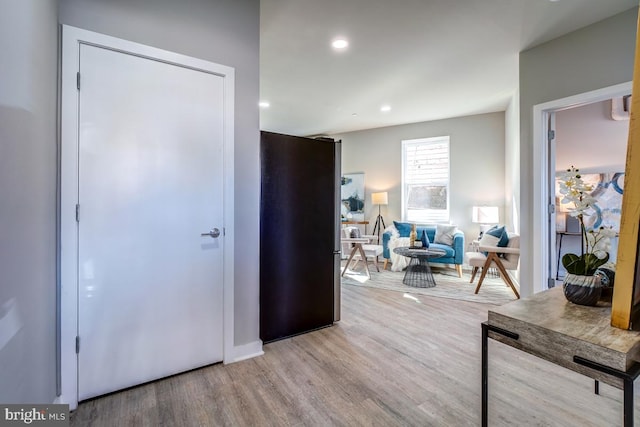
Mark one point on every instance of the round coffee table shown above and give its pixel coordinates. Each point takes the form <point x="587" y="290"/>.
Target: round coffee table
<point x="418" y="273"/>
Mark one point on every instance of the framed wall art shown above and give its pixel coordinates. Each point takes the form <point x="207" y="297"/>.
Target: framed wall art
<point x="352" y="196"/>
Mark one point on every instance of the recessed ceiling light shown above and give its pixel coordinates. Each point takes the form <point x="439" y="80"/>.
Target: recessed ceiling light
<point x="340" y="44"/>
<point x="264" y="104"/>
<point x="385" y="108"/>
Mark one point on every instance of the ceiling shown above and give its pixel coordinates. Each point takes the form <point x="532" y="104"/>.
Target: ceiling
<point x="426" y="59"/>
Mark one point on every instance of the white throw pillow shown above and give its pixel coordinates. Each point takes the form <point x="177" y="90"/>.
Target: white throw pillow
<point x="444" y="234"/>
<point x="398" y="262"/>
<point x="489" y="240"/>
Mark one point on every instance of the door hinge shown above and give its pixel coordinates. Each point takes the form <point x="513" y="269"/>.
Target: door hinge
<point x="78" y="80"/>
<point x="77" y="213"/>
<point x="77" y="344"/>
<point x="551" y="283"/>
<point x="552" y="208"/>
<point x="551" y="135"/>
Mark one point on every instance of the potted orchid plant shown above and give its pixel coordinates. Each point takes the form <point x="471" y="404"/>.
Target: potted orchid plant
<point x="581" y="286"/>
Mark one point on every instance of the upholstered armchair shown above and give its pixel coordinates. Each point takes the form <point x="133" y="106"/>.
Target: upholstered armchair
<point x="502" y="258"/>
<point x="359" y="247"/>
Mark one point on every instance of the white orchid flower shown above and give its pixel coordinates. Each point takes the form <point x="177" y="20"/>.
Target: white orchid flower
<point x="600" y="254"/>
<point x="576" y="192"/>
<point x="607" y="232"/>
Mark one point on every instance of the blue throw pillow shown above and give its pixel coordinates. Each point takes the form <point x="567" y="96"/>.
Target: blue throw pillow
<point x="404" y="228"/>
<point x="495" y="236"/>
<point x="504" y="237"/>
<point x="424" y="239"/>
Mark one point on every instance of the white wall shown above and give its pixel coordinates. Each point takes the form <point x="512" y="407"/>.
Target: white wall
<point x="589" y="139"/>
<point x="591" y="58"/>
<point x="477" y="150"/>
<point x="512" y="164"/>
<point x="222" y="31"/>
<point x="28" y="70"/>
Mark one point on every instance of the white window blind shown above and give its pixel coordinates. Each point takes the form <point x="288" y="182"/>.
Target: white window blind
<point x="425" y="180"/>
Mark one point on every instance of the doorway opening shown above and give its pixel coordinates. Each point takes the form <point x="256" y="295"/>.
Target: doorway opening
<point x="544" y="162"/>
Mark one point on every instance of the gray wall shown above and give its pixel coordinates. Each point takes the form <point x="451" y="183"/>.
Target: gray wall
<point x="591" y="58"/>
<point x="28" y="70"/>
<point x="226" y="32"/>
<point x="477" y="148"/>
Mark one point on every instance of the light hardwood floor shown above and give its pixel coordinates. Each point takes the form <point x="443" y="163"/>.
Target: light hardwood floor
<point x="393" y="360"/>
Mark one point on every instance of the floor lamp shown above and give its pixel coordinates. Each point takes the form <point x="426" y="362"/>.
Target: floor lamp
<point x="379" y="199"/>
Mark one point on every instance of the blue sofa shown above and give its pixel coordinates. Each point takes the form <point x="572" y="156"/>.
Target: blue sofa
<point x="455" y="253"/>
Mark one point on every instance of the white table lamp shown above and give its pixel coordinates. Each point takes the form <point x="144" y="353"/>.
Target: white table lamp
<point x="485" y="216"/>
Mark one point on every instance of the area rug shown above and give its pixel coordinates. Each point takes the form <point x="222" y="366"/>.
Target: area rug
<point x="448" y="284"/>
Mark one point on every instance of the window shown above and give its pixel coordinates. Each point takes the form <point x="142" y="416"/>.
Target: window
<point x="425" y="180"/>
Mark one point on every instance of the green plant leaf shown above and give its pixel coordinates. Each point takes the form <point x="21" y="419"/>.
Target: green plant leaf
<point x="574" y="264"/>
<point x="593" y="263"/>
<point x="585" y="265"/>
<point x="567" y="259"/>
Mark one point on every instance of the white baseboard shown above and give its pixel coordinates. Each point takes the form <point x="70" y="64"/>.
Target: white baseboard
<point x="247" y="351"/>
<point x="241" y="352"/>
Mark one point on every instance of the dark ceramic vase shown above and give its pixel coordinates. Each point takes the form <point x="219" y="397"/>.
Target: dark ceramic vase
<point x="582" y="290"/>
<point x="607" y="278"/>
<point x="425" y="239"/>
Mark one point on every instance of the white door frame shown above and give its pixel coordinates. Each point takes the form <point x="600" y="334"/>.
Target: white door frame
<point x="72" y="38"/>
<point x="541" y="162"/>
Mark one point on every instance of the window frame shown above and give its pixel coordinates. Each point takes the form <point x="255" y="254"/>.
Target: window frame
<point x="426" y="218"/>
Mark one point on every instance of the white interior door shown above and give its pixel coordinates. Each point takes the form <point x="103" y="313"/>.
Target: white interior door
<point x="150" y="181"/>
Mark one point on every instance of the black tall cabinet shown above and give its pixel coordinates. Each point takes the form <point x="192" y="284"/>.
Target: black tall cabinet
<point x="299" y="235"/>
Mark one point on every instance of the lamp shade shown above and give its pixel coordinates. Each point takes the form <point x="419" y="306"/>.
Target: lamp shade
<point x="380" y="198"/>
<point x="485" y="215"/>
<point x="564" y="207"/>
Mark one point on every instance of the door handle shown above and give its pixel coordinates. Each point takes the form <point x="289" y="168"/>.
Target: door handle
<point x="213" y="233"/>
